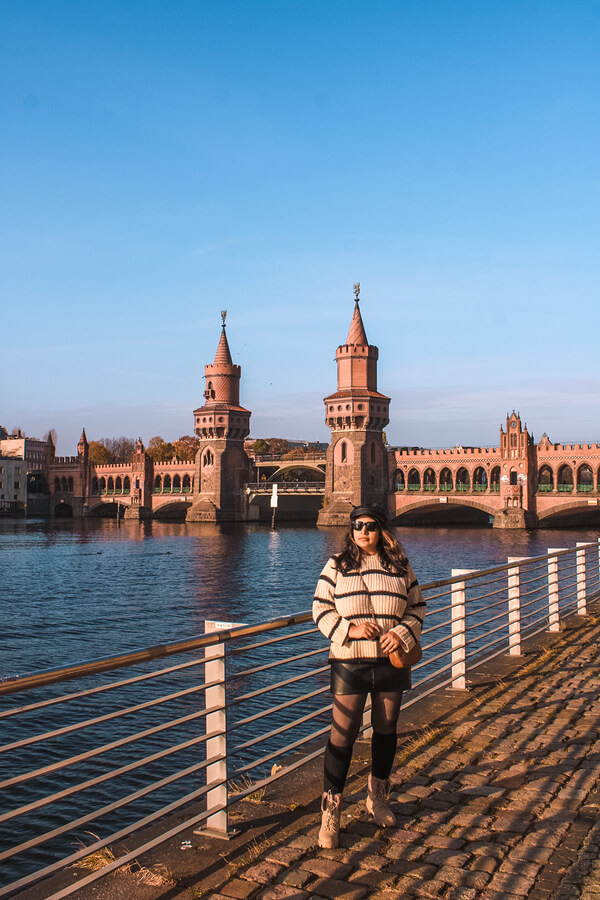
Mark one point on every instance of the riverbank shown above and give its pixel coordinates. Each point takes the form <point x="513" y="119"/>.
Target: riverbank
<point x="495" y="790"/>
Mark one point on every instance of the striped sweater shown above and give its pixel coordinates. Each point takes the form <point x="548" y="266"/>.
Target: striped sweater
<point x="368" y="594"/>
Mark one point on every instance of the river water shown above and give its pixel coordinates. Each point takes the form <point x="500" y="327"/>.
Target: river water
<point x="73" y="590"/>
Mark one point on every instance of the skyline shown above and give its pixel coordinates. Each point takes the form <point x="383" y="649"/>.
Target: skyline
<point x="164" y="164"/>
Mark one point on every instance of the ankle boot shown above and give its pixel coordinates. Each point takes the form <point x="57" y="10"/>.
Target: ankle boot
<point x="377" y="801"/>
<point x="331" y="807"/>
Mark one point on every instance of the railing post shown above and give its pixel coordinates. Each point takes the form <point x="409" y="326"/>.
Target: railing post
<point x="581" y="579"/>
<point x="514" y="606"/>
<point x="459" y="631"/>
<point x="553" y="608"/>
<point x="216" y="824"/>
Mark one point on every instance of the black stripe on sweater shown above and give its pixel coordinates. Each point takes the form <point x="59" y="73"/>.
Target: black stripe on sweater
<point x="327" y="579"/>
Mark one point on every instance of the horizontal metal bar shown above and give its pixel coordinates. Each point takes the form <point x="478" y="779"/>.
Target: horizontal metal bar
<point x="134" y="657"/>
<point x="113" y="745"/>
<point x="110" y="807"/>
<point x="264" y="667"/>
<point x="241" y="723"/>
<point x="276" y="640"/>
<point x="283" y="728"/>
<point x="76" y="695"/>
<point x="266" y="690"/>
<point x="107" y="717"/>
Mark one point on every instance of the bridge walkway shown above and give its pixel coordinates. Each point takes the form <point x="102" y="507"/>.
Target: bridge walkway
<point x="496" y="791"/>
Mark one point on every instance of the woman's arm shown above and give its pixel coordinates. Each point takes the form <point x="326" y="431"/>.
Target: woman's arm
<point x="411" y="623"/>
<point x="325" y="615"/>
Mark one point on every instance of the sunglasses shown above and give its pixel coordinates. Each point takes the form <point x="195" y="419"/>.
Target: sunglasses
<point x="368" y="526"/>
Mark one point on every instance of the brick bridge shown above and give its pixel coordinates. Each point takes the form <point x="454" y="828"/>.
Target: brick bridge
<point x="517" y="484"/>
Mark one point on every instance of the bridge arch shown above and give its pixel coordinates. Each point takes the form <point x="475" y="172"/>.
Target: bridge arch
<point x="564" y="481"/>
<point x="126" y="485"/>
<point x="475" y="511"/>
<point x="585" y="478"/>
<point x="480" y="479"/>
<point x="446" y="480"/>
<point x="175" y="508"/>
<point x="414" y="480"/>
<point x="495" y="479"/>
<point x="462" y="479"/>
<point x="398" y="480"/>
<point x="429" y="480"/>
<point x="570" y="512"/>
<point x="545" y="479"/>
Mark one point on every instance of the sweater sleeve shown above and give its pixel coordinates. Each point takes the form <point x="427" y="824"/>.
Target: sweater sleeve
<point x="409" y="628"/>
<point x="324" y="611"/>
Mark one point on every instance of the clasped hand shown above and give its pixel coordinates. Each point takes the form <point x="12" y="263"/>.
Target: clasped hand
<point x="369" y="631"/>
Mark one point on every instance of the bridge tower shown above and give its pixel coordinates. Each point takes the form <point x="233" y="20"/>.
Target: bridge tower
<point x="222" y="465"/>
<point x="517" y="475"/>
<point x="357" y="460"/>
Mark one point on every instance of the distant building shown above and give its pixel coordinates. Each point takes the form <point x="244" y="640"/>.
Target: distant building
<point x="33" y="451"/>
<point x="13" y="486"/>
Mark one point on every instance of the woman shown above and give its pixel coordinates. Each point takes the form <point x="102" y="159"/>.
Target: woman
<point x="367" y="603"/>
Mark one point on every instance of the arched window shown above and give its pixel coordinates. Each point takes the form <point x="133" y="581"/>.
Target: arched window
<point x="110" y="485"/>
<point x="414" y="480"/>
<point x="513" y="476"/>
<point x="126" y="485"/>
<point x="398" y="481"/>
<point x="70" y="484"/>
<point x="343" y="452"/>
<point x="564" y="482"/>
<point x="373" y="452"/>
<point x="167" y="484"/>
<point x="462" y="479"/>
<point x="429" y="480"/>
<point x="103" y="485"/>
<point x="495" y="479"/>
<point x="176" y="484"/>
<point x="545" y="480"/>
<point x="157" y="484"/>
<point x="480" y="479"/>
<point x="585" y="478"/>
<point x="57" y="483"/>
<point x="63" y="484"/>
<point x="186" y="486"/>
<point x="208" y="459"/>
<point x="118" y="485"/>
<point x="446" y="483"/>
<point x="95" y="487"/>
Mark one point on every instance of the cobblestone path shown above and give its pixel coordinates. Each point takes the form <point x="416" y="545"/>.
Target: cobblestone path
<point x="501" y="801"/>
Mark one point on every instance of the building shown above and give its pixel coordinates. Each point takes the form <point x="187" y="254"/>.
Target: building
<point x="13" y="486"/>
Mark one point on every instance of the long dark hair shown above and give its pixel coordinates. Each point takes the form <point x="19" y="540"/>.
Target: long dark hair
<point x="391" y="554"/>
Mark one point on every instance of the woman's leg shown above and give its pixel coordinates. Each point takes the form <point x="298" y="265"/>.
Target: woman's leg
<point x="384" y="719"/>
<point x="345" y="725"/>
<point x="347" y="716"/>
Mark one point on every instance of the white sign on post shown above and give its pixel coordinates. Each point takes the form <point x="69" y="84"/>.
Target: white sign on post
<point x="274" y="497"/>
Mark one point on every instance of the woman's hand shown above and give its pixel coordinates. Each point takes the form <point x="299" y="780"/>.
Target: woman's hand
<point x="389" y="642"/>
<point x="368" y="631"/>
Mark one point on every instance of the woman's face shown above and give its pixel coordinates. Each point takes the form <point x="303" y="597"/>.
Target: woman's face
<point x="366" y="540"/>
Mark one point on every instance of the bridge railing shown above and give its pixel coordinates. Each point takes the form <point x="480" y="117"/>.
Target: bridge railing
<point x="285" y="487"/>
<point x="309" y="455"/>
<point x="98" y="751"/>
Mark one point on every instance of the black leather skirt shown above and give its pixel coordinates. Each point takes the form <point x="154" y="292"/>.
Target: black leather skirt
<point x="368" y="677"/>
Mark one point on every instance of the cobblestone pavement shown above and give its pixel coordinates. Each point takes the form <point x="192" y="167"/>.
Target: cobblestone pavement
<point x="501" y="801"/>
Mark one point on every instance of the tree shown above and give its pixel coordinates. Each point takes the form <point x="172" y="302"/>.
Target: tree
<point x="278" y="445"/>
<point x="260" y="447"/>
<point x="121" y="449"/>
<point x="186" y="447"/>
<point x="98" y="453"/>
<point x="296" y="453"/>
<point x="159" y="450"/>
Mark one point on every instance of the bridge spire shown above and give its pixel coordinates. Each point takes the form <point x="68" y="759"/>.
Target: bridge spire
<point x="223" y="354"/>
<point x="357" y="336"/>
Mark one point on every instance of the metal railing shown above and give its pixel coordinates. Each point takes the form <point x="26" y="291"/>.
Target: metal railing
<point x="107" y="748"/>
<point x="286" y="487"/>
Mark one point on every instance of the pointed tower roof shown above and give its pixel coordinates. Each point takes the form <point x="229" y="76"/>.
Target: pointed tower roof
<point x="357" y="335"/>
<point x="223" y="354"/>
<point x="83" y="439"/>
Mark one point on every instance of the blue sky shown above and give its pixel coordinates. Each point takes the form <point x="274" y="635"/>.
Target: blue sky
<point x="162" y="161"/>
